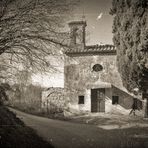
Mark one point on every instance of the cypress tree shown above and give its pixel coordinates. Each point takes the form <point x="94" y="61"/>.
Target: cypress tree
<point x="130" y="29"/>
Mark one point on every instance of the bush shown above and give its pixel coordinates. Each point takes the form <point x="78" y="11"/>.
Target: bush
<point x="3" y="96"/>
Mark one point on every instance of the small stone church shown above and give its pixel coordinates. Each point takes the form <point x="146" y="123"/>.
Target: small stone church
<point x="91" y="79"/>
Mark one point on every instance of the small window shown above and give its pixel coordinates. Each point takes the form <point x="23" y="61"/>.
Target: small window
<point x="81" y="100"/>
<point x="115" y="99"/>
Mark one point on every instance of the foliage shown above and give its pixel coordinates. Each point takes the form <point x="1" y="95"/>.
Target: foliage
<point x="3" y="96"/>
<point x="130" y="29"/>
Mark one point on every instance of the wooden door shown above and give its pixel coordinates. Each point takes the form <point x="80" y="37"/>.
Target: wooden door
<point x="98" y="100"/>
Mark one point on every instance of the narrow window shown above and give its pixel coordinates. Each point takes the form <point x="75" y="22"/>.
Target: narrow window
<point x="81" y="100"/>
<point x="115" y="99"/>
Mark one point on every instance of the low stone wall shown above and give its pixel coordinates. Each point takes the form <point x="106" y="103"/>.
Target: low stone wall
<point x="53" y="100"/>
<point x="26" y="97"/>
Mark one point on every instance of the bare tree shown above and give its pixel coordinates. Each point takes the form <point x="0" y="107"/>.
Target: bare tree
<point x="30" y="30"/>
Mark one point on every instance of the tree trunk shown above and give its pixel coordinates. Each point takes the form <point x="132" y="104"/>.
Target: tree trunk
<point x="145" y="97"/>
<point x="146" y="109"/>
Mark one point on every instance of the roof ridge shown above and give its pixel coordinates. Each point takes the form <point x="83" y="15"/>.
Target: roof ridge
<point x="97" y="45"/>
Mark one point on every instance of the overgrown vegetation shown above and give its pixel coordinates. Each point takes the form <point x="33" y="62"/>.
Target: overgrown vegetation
<point x="130" y="29"/>
<point x="3" y="96"/>
<point x="13" y="132"/>
<point x="26" y="97"/>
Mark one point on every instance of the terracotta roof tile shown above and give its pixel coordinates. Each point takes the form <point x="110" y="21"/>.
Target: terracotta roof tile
<point x="92" y="49"/>
<point x="77" y="23"/>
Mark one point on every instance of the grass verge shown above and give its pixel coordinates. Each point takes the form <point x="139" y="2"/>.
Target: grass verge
<point x="15" y="134"/>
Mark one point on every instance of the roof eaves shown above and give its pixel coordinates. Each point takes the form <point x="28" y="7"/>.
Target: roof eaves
<point x="92" y="53"/>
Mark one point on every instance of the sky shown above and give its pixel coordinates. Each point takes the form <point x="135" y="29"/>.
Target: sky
<point x="99" y="31"/>
<point x="99" y="21"/>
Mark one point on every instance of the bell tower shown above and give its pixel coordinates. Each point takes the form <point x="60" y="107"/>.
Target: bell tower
<point x="77" y="33"/>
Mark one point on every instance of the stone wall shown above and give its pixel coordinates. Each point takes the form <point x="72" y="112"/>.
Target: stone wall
<point x="78" y="70"/>
<point x="25" y="97"/>
<point x="80" y="79"/>
<point x="53" y="100"/>
<point x="125" y="99"/>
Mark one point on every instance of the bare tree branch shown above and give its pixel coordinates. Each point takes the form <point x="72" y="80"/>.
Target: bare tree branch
<point x="30" y="31"/>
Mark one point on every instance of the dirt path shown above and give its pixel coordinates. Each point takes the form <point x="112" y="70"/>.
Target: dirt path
<point x="64" y="134"/>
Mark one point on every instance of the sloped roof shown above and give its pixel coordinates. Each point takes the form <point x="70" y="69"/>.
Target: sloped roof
<point x="93" y="49"/>
<point x="78" y="23"/>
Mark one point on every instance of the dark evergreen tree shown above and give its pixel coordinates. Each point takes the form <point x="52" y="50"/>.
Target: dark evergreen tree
<point x="130" y="29"/>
